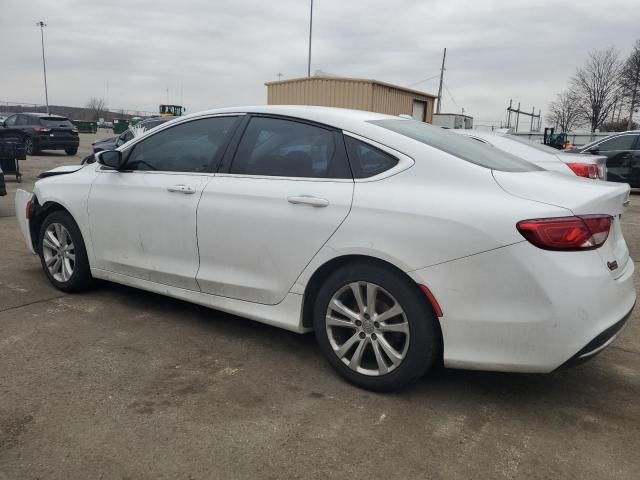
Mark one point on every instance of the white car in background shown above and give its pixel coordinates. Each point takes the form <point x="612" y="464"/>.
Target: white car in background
<point x="399" y="243"/>
<point x="588" y="166"/>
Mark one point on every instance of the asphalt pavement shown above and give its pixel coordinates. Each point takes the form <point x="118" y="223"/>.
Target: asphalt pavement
<point x="118" y="383"/>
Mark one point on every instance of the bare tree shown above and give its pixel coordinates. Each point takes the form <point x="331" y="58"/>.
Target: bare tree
<point x="630" y="81"/>
<point x="565" y="111"/>
<point x="97" y="107"/>
<point x="596" y="86"/>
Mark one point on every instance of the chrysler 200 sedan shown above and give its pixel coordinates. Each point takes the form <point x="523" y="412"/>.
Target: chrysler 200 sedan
<point x="398" y="243"/>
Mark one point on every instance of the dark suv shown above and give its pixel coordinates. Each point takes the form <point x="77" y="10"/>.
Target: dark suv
<point x="623" y="156"/>
<point x="45" y="132"/>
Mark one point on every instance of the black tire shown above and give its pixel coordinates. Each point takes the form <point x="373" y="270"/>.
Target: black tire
<point x="71" y="151"/>
<point x="424" y="338"/>
<point x="80" y="278"/>
<point x="30" y="147"/>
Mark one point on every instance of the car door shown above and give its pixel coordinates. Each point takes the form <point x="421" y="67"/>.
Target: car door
<point x="619" y="152"/>
<point x="143" y="218"/>
<point x="634" y="178"/>
<point x="270" y="209"/>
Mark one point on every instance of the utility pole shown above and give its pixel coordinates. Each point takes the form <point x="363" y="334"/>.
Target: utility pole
<point x="279" y="76"/>
<point x="41" y="24"/>
<point x="444" y="56"/>
<point x="535" y="119"/>
<point x="310" y="32"/>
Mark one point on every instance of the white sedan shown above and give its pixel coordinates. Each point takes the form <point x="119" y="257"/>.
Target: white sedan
<point x="582" y="165"/>
<point x="398" y="243"/>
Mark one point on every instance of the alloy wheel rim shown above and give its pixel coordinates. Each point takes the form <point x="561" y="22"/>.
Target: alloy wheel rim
<point x="367" y="328"/>
<point x="59" y="252"/>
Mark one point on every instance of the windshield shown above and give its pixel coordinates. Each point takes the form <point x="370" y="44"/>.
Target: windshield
<point x="55" y="122"/>
<point x="529" y="143"/>
<point x="460" y="146"/>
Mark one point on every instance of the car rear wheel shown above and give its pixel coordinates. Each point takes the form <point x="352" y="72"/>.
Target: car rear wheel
<point x="30" y="147"/>
<point x="63" y="254"/>
<point x="375" y="327"/>
<point x="71" y="151"/>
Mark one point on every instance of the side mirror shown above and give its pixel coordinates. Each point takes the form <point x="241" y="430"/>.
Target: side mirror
<point x="111" y="158"/>
<point x="594" y="150"/>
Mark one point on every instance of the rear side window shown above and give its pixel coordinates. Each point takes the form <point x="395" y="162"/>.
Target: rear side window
<point x="188" y="147"/>
<point x="458" y="145"/>
<point x="55" y="122"/>
<point x="286" y="148"/>
<point x="623" y="142"/>
<point x="366" y="160"/>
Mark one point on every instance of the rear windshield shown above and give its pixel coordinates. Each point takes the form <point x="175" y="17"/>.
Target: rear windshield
<point x="458" y="145"/>
<point x="55" y="122"/>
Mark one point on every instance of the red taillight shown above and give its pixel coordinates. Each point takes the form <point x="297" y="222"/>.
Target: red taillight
<point x="586" y="170"/>
<point x="567" y="233"/>
<point x="28" y="209"/>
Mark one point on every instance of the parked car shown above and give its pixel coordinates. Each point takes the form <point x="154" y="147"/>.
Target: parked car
<point x="45" y="132"/>
<point x="622" y="151"/>
<point x="3" y="186"/>
<point x="543" y="155"/>
<point x="114" y="142"/>
<point x="399" y="243"/>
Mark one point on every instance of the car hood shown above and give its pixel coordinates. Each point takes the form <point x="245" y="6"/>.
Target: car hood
<point x="60" y="171"/>
<point x="105" y="140"/>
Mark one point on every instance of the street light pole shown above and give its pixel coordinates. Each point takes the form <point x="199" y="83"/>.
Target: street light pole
<point x="310" y="31"/>
<point x="41" y="24"/>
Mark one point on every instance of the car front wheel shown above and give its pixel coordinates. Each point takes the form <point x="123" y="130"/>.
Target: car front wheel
<point x="375" y="327"/>
<point x="63" y="254"/>
<point x="71" y="151"/>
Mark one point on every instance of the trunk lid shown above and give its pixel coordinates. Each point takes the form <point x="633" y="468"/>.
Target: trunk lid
<point x="580" y="196"/>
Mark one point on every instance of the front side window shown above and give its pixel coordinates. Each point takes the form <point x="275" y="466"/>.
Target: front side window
<point x="366" y="160"/>
<point x="22" y="120"/>
<point x="623" y="142"/>
<point x="458" y="146"/>
<point x="11" y="121"/>
<point x="285" y="148"/>
<point x="187" y="147"/>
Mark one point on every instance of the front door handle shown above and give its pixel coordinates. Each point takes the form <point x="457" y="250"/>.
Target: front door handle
<point x="186" y="189"/>
<point x="308" y="200"/>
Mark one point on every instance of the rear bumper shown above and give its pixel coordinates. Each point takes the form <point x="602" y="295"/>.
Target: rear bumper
<point x="21" y="200"/>
<point x="598" y="344"/>
<point x="523" y="309"/>
<point x="53" y="143"/>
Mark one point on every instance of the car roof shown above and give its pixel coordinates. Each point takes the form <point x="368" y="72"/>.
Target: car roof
<point x="338" y="117"/>
<point x="37" y="114"/>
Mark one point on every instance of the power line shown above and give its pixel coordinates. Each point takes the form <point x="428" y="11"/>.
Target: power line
<point x="422" y="81"/>
<point x="451" y="96"/>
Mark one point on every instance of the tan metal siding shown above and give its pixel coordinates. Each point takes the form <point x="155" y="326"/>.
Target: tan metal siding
<point x="396" y="102"/>
<point x="322" y="92"/>
<point x="347" y="93"/>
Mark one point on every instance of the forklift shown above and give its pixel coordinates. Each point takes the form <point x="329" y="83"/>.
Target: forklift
<point x="171" y="110"/>
<point x="555" y="140"/>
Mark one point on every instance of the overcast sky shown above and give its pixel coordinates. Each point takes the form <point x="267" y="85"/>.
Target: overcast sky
<point x="214" y="53"/>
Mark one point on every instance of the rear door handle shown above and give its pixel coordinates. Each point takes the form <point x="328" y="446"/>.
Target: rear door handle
<point x="186" y="189"/>
<point x="308" y="200"/>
